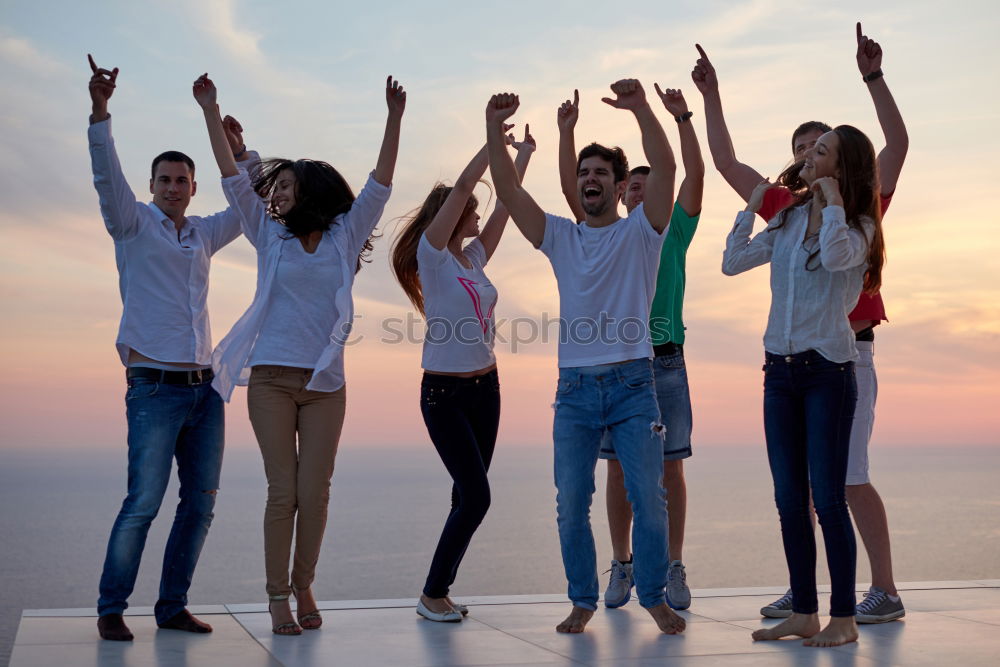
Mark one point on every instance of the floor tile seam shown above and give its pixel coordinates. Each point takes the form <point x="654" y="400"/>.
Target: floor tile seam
<point x="255" y="640"/>
<point x="531" y="643"/>
<point x="959" y="618"/>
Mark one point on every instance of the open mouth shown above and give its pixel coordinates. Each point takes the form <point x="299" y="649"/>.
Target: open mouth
<point x="592" y="192"/>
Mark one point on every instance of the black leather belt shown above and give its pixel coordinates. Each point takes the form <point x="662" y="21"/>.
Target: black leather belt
<point x="667" y="349"/>
<point x="198" y="376"/>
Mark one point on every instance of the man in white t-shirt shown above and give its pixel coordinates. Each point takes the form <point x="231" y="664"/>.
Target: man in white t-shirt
<point x="606" y="272"/>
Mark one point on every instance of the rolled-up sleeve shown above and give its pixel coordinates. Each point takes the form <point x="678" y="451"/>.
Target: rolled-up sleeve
<point x="743" y="253"/>
<point x="841" y="247"/>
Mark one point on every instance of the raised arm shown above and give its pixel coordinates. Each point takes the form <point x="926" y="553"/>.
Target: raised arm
<point x="658" y="199"/>
<point x="395" y="98"/>
<point x="497" y="222"/>
<point x="441" y="228"/>
<point x="117" y="201"/>
<point x="690" y="193"/>
<point x="528" y="216"/>
<point x="206" y="95"/>
<point x="897" y="142"/>
<point x="566" y="118"/>
<point x="741" y="177"/>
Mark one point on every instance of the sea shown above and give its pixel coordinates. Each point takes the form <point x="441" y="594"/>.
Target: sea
<point x="387" y="508"/>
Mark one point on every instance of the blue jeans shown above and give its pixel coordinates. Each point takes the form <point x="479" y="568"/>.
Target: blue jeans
<point x="165" y="421"/>
<point x="619" y="399"/>
<point x="674" y="399"/>
<point x="808" y="410"/>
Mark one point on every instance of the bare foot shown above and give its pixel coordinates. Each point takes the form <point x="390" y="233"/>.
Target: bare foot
<point x="840" y="630"/>
<point x="799" y="625"/>
<point x="668" y="621"/>
<point x="437" y="605"/>
<point x="576" y="621"/>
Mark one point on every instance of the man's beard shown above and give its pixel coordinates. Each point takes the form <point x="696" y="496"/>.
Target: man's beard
<point x="598" y="208"/>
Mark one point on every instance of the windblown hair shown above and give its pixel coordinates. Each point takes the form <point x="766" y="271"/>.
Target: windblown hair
<point x="321" y="194"/>
<point x="404" y="248"/>
<point x="171" y="156"/>
<point x="859" y="188"/>
<point x="615" y="155"/>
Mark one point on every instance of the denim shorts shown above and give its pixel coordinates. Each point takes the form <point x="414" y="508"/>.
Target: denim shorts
<point x="674" y="399"/>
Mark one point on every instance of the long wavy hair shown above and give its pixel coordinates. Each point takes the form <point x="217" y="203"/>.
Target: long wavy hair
<point x="404" y="248"/>
<point x="321" y="194"/>
<point x="859" y="188"/>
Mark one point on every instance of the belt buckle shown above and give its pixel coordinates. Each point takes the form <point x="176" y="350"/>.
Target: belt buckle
<point x="194" y="377"/>
<point x="788" y="359"/>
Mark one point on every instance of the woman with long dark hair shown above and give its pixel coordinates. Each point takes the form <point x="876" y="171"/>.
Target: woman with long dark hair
<point x="311" y="235"/>
<point x="823" y="250"/>
<point x="443" y="277"/>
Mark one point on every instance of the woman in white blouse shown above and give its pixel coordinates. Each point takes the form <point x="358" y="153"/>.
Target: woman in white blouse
<point x="823" y="252"/>
<point x="460" y="393"/>
<point x="311" y="234"/>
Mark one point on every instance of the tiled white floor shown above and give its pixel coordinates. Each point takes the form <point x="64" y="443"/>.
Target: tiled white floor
<point x="950" y="623"/>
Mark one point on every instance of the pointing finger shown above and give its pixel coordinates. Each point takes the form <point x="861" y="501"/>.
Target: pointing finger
<point x="93" y="65"/>
<point x="701" y="51"/>
<point x="576" y="97"/>
<point x="859" y="31"/>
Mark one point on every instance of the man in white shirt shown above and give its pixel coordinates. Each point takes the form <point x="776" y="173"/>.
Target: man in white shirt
<point x="606" y="272"/>
<point x="165" y="343"/>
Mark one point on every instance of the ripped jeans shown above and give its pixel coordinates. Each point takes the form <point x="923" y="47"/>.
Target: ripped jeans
<point x="165" y="421"/>
<point x="619" y="399"/>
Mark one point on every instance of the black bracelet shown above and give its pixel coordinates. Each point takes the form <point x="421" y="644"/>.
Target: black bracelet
<point x="684" y="117"/>
<point x="871" y="76"/>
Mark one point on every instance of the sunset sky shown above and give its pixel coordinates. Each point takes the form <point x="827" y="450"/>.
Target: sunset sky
<point x="307" y="80"/>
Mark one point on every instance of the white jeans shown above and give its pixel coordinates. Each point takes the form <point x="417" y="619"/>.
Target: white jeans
<point x="864" y="414"/>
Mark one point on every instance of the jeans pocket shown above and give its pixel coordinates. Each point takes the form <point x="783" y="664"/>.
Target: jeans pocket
<point x="637" y="381"/>
<point x="565" y="386"/>
<point x="141" y="388"/>
<point x="432" y="395"/>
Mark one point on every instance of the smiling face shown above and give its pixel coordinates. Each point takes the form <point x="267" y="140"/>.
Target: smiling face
<point x="283" y="197"/>
<point x="822" y="159"/>
<point x="172" y="187"/>
<point x="801" y="143"/>
<point x="596" y="182"/>
<point x="634" y="191"/>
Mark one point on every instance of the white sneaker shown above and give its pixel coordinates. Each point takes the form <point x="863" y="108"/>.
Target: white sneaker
<point x="619" y="586"/>
<point x="441" y="617"/>
<point x="678" y="593"/>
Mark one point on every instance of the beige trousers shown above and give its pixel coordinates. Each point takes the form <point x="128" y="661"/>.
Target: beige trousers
<point x="298" y="477"/>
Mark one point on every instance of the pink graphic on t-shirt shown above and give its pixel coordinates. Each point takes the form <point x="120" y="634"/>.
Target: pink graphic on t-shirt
<point x="477" y="301"/>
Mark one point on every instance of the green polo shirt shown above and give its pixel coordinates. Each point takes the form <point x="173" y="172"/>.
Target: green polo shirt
<point x="665" y="317"/>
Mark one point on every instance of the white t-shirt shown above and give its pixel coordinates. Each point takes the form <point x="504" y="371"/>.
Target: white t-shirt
<point x="303" y="309"/>
<point x="458" y="303"/>
<point x="606" y="277"/>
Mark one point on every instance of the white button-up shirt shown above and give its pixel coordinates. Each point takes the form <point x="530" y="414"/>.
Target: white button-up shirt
<point x="809" y="306"/>
<point x="162" y="276"/>
<point x="347" y="234"/>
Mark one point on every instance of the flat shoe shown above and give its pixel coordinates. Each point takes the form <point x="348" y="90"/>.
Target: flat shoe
<point x="184" y="621"/>
<point x="441" y="617"/>
<point x="113" y="628"/>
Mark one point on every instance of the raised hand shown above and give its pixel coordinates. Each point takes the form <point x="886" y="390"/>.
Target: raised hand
<point x="869" y="53"/>
<point x="526" y="144"/>
<point x="703" y="73"/>
<point x="629" y="95"/>
<point x="501" y="107"/>
<point x="569" y="113"/>
<point x="757" y="196"/>
<point x="827" y="190"/>
<point x="102" y="87"/>
<point x="395" y="96"/>
<point x="204" y="92"/>
<point x="234" y="134"/>
<point x="673" y="100"/>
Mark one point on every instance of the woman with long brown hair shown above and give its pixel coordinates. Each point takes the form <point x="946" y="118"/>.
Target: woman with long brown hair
<point x="443" y="277"/>
<point x="311" y="234"/>
<point x="823" y="251"/>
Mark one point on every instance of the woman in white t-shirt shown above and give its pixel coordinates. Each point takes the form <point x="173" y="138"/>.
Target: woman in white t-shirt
<point x="460" y="392"/>
<point x="311" y="234"/>
<point x="823" y="251"/>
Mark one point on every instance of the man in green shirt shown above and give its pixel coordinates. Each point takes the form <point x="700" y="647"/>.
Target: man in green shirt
<point x="666" y="328"/>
